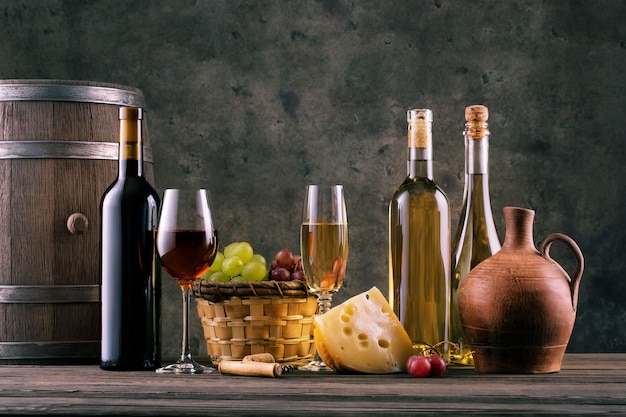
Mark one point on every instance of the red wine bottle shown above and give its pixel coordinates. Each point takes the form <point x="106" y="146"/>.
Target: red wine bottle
<point x="129" y="273"/>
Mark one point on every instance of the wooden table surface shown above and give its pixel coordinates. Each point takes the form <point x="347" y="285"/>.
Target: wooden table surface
<point x="588" y="384"/>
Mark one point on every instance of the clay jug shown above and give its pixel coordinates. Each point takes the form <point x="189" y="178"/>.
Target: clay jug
<point x="518" y="307"/>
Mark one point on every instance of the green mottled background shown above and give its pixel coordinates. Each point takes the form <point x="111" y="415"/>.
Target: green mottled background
<point x="255" y="99"/>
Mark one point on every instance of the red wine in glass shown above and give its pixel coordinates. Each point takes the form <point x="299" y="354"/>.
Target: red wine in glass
<point x="186" y="254"/>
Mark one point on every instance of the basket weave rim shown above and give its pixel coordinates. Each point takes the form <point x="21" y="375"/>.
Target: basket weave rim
<point x="219" y="291"/>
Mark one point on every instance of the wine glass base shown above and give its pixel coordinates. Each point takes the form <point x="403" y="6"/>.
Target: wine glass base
<point x="315" y="366"/>
<point x="187" y="366"/>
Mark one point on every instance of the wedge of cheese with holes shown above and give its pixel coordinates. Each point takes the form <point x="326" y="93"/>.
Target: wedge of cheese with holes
<point x="363" y="335"/>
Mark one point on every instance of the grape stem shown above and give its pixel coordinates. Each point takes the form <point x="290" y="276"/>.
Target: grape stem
<point x="433" y="348"/>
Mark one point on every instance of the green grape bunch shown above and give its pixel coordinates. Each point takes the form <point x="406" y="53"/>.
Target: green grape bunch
<point x="237" y="262"/>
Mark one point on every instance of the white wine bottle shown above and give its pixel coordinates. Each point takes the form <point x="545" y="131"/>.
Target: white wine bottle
<point x="419" y="243"/>
<point x="476" y="238"/>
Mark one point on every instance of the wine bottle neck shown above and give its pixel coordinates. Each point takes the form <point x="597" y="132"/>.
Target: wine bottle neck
<point x="131" y="149"/>
<point x="477" y="172"/>
<point x="420" y="144"/>
<point x="477" y="155"/>
<point x="420" y="163"/>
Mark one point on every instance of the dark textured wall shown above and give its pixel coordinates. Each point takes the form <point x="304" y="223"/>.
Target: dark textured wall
<point x="255" y="99"/>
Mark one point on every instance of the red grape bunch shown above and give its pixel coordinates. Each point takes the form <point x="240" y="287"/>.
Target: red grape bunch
<point x="286" y="267"/>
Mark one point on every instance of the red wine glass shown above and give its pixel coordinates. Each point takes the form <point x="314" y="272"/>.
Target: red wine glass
<point x="186" y="243"/>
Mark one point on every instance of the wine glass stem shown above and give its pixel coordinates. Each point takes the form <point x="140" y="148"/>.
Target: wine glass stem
<point x="185" y="346"/>
<point x="324" y="301"/>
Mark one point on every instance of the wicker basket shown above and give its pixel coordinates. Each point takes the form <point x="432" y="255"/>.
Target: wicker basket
<point x="243" y="318"/>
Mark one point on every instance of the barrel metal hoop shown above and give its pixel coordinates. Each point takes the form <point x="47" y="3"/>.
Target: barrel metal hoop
<point x="42" y="149"/>
<point x="49" y="350"/>
<point x="73" y="93"/>
<point x="49" y="294"/>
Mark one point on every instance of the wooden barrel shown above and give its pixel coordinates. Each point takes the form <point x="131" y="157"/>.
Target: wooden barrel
<point x="58" y="153"/>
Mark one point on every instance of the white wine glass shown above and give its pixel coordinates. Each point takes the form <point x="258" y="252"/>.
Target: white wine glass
<point x="324" y="247"/>
<point x="186" y="243"/>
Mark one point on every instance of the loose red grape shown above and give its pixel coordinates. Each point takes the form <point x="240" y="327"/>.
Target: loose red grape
<point x="280" y="274"/>
<point x="284" y="259"/>
<point x="437" y="365"/>
<point x="418" y="366"/>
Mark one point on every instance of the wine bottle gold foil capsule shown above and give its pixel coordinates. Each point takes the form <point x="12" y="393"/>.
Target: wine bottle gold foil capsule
<point x="131" y="113"/>
<point x="476" y="117"/>
<point x="130" y="132"/>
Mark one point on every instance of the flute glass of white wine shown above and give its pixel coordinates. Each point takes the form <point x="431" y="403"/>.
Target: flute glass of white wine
<point x="324" y="247"/>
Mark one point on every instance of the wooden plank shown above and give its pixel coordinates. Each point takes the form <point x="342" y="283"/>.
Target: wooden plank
<point x="588" y="384"/>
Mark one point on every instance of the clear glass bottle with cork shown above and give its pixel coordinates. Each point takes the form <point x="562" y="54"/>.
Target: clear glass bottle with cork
<point x="476" y="237"/>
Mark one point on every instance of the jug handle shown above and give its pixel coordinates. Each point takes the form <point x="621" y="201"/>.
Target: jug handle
<point x="574" y="281"/>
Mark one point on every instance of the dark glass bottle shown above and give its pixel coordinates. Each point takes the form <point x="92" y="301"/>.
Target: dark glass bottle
<point x="129" y="272"/>
<point x="476" y="238"/>
<point x="419" y="242"/>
